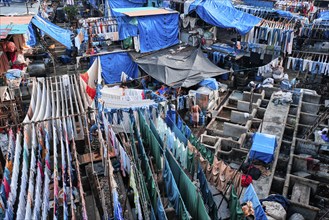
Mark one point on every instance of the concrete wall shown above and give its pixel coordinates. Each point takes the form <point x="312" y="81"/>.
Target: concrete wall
<point x="256" y="96"/>
<point x="311" y="98"/>
<point x="210" y="141"/>
<point x="233" y="130"/>
<point x="270" y="91"/>
<point x="310" y="108"/>
<point x="307" y="119"/>
<point x="244" y="106"/>
<point x="306" y="147"/>
<point x="238" y="117"/>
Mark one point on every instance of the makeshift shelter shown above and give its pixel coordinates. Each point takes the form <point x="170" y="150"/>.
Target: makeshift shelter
<point x="156" y="28"/>
<point x="263" y="147"/>
<point x="59" y="34"/>
<point x="222" y="14"/>
<point x="114" y="64"/>
<point x="183" y="69"/>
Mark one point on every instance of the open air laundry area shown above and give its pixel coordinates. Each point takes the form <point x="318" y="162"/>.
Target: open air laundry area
<point x="164" y="109"/>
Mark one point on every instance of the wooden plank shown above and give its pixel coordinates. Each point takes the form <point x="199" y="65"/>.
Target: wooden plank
<point x="85" y="158"/>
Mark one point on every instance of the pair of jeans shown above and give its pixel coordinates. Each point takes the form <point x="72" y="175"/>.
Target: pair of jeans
<point x="297" y="64"/>
<point x="316" y="68"/>
<point x="263" y="33"/>
<point x="276" y="37"/>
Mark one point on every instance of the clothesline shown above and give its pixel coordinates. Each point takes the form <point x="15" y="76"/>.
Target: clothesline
<point x="49" y="119"/>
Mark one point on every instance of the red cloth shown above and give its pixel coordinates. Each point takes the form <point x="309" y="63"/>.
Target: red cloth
<point x="246" y="180"/>
<point x="7" y="187"/>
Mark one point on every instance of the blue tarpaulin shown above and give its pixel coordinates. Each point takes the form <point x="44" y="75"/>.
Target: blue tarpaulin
<point x="59" y="34"/>
<point x="223" y="14"/>
<point x="155" y="31"/>
<point x="258" y="3"/>
<point x="210" y="83"/>
<point x="32" y="40"/>
<point x="286" y="14"/>
<point x="158" y="31"/>
<point x="114" y="64"/>
<point x="250" y="195"/>
<point x="263" y="147"/>
<point x="324" y="15"/>
<point x="126" y="3"/>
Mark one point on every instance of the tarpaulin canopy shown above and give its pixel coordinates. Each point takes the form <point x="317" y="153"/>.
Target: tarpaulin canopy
<point x="32" y="40"/>
<point x="183" y="69"/>
<point x="263" y="147"/>
<point x="114" y="64"/>
<point x="223" y="14"/>
<point x="157" y="28"/>
<point x="258" y="3"/>
<point x="158" y="31"/>
<point x="324" y="15"/>
<point x="59" y="34"/>
<point x="126" y="3"/>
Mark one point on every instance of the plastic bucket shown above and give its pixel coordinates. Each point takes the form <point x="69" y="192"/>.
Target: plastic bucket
<point x="202" y="120"/>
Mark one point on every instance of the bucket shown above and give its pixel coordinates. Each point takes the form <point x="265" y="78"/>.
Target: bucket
<point x="202" y="119"/>
<point x="224" y="76"/>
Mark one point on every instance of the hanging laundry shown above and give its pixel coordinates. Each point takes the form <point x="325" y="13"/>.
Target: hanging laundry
<point x="22" y="201"/>
<point x="132" y="184"/>
<point x="14" y="181"/>
<point x="235" y="207"/>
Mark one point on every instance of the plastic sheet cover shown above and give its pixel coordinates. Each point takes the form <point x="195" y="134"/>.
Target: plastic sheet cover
<point x="158" y="32"/>
<point x="324" y="15"/>
<point x="59" y="34"/>
<point x="32" y="40"/>
<point x="183" y="69"/>
<point x="263" y="147"/>
<point x="251" y="195"/>
<point x="221" y="13"/>
<point x="114" y="64"/>
<point x="126" y="3"/>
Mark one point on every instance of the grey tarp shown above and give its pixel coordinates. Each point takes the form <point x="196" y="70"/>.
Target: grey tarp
<point x="182" y="69"/>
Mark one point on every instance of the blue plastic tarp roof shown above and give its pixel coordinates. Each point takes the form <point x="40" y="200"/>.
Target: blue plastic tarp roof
<point x="155" y="31"/>
<point x="258" y="3"/>
<point x="324" y="15"/>
<point x="158" y="31"/>
<point x="114" y="64"/>
<point x="126" y="3"/>
<point x="59" y="34"/>
<point x="221" y="13"/>
<point x="263" y="147"/>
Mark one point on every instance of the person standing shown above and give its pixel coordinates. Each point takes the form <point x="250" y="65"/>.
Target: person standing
<point x="195" y="110"/>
